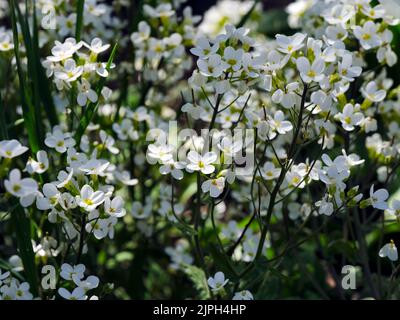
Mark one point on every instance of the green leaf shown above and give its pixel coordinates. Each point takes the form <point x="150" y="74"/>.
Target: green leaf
<point x="274" y="21"/>
<point x="198" y="277"/>
<point x="223" y="263"/>
<point x="3" y="125"/>
<point x="27" y="105"/>
<point x="79" y="19"/>
<point x="22" y="227"/>
<point x="124" y="256"/>
<point x="247" y="15"/>
<point x="43" y="90"/>
<point x="185" y="228"/>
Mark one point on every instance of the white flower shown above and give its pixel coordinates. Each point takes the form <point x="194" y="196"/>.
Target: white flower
<point x="279" y="124"/>
<point x="3" y="276"/>
<point x="142" y="34"/>
<point x="290" y="44"/>
<point x="108" y="142"/>
<point x="102" y="71"/>
<point x="94" y="167"/>
<point x="389" y="250"/>
<point x="217" y="282"/>
<point x="6" y="42"/>
<point x="378" y="198"/>
<point x="114" y="207"/>
<point x="74" y="273"/>
<point x="229" y="147"/>
<point x="339" y="14"/>
<point x="321" y="101"/>
<point x="394" y="208"/>
<point x="22" y="292"/>
<point x="213" y="66"/>
<point x="178" y="254"/>
<point x="107" y="225"/>
<point x="243" y="295"/>
<point x="349" y="118"/>
<point x="90" y="199"/>
<point x="372" y="93"/>
<point x="193" y="110"/>
<point x="214" y="186"/>
<point x="75" y="159"/>
<point x="96" y="46"/>
<point x="201" y="163"/>
<point x="85" y="93"/>
<point x="95" y="225"/>
<point x="125" y="130"/>
<point x="20" y="187"/>
<point x="311" y="72"/>
<point x="163" y="10"/>
<point x="295" y="180"/>
<point x="67" y="201"/>
<point x="63" y="51"/>
<point x="368" y="35"/>
<point x="335" y="33"/>
<point x="139" y="211"/>
<point x="346" y="71"/>
<point x="71" y="71"/>
<point x="77" y="294"/>
<point x="91" y="282"/>
<point x="269" y="171"/>
<point x="11" y="148"/>
<point x="325" y="207"/>
<point x="173" y="167"/>
<point x="64" y="178"/>
<point x="376" y="12"/>
<point x="233" y="58"/>
<point x="203" y="48"/>
<point x="39" y="166"/>
<point x="125" y="178"/>
<point x="59" y="140"/>
<point x="50" y="197"/>
<point x="157" y="153"/>
<point x="288" y="97"/>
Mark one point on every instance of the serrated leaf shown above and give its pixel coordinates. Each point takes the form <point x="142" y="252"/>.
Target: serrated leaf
<point x="198" y="277"/>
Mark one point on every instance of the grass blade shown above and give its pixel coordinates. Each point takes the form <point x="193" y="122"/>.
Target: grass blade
<point x="22" y="227"/>
<point x="3" y="125"/>
<point x="27" y="106"/>
<point x="247" y="15"/>
<point x="79" y="19"/>
<point x="44" y="92"/>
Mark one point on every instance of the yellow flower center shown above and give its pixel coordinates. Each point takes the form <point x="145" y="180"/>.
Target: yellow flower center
<point x="366" y="36"/>
<point x="89" y="202"/>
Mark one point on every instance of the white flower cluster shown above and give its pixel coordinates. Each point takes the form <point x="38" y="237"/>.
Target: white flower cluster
<point x="317" y="112"/>
<point x="160" y="44"/>
<point x="349" y="20"/>
<point x="75" y="276"/>
<point x="11" y="288"/>
<point x="58" y="18"/>
<point x="224" y="12"/>
<point x="73" y="69"/>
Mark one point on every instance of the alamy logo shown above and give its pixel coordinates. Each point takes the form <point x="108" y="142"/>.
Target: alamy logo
<point x="349" y="277"/>
<point x="49" y="20"/>
<point x="49" y="277"/>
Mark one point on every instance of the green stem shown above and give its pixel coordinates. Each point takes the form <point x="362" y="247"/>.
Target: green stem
<point x="79" y="19"/>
